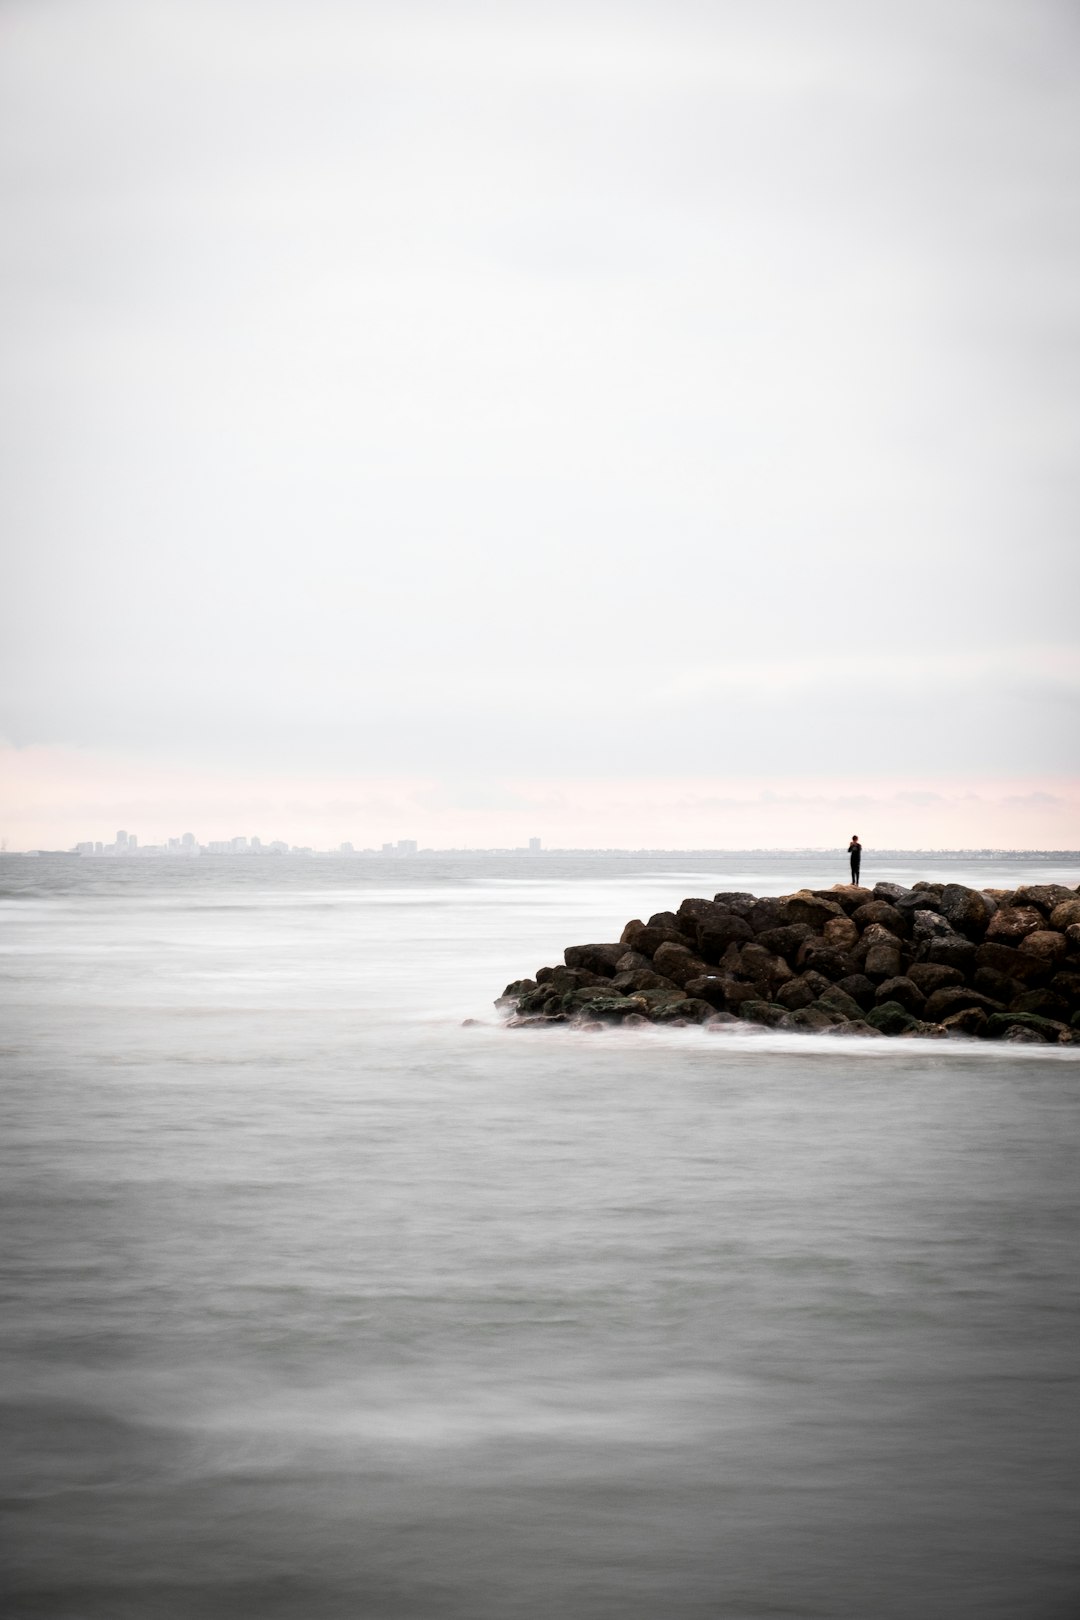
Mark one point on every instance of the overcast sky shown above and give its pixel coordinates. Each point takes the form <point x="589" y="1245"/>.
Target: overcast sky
<point x="457" y="394"/>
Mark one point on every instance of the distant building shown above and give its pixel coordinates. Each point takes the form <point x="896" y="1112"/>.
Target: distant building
<point x="188" y="841"/>
<point x="406" y="846"/>
<point x="534" y="846"/>
<point x="84" y="849"/>
<point x="239" y="845"/>
<point x="388" y="849"/>
<point x="346" y="849"/>
<point x="121" y="840"/>
<point x="133" y="842"/>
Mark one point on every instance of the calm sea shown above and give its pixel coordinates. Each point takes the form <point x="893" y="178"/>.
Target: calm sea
<point x="319" y="1304"/>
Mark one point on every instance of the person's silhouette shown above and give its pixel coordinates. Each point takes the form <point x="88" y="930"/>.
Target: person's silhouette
<point x="854" y="849"/>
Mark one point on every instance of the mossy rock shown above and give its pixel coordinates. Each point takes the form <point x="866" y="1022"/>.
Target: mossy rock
<point x="891" y="1019"/>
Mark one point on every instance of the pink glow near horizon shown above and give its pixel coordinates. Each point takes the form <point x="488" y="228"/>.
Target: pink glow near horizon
<point x="52" y="798"/>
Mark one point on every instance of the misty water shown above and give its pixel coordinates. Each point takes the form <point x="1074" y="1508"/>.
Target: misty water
<point x="318" y="1303"/>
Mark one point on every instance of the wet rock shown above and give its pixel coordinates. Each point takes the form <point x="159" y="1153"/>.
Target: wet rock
<point x="514" y="992"/>
<point x="811" y="1020"/>
<point x="710" y="988"/>
<point x="1043" y="1002"/>
<point x="612" y="1009"/>
<point x="722" y="1020"/>
<point x="854" y="1026"/>
<point x="632" y="928"/>
<point x="664" y="919"/>
<point x="795" y="994"/>
<point x="600" y="959"/>
<point x="562" y="978"/>
<point x="996" y="985"/>
<point x="645" y="978"/>
<point x="692" y="1010"/>
<point x="1027" y="1037"/>
<point x="931" y="976"/>
<point x="575" y="1000"/>
<point x="950" y="1000"/>
<point x="821" y="958"/>
<point x="967" y="910"/>
<point x="890" y="1018"/>
<point x="1000" y="1023"/>
<point x="1010" y="924"/>
<point x="859" y="988"/>
<point x="836" y="1000"/>
<point x="970" y="1021"/>
<point x="903" y="990"/>
<point x="766" y="1013"/>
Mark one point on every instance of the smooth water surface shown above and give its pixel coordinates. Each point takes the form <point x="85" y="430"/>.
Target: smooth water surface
<point x="317" y="1303"/>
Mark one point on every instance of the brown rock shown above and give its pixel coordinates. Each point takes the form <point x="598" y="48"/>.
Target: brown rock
<point x="1065" y="914"/>
<point x="1045" y="943"/>
<point x="858" y="987"/>
<point x="881" y="912"/>
<point x="951" y="1000"/>
<point x="806" y="907"/>
<point x="954" y="951"/>
<point x="594" y="958"/>
<point x="710" y="987"/>
<point x="631" y="962"/>
<point x="813" y="1019"/>
<point x="652" y="936"/>
<point x="738" y="902"/>
<point x="931" y="976"/>
<point x="848" y="895"/>
<point x="633" y="927"/>
<point x="678" y="963"/>
<point x="841" y="933"/>
<point x="905" y="991"/>
<point x="785" y="941"/>
<point x="971" y="1021"/>
<point x="1046" y="896"/>
<point x="967" y="910"/>
<point x="1012" y="963"/>
<point x="796" y="993"/>
<point x="1043" y="1002"/>
<point x="855" y="1026"/>
<point x="1009" y="924"/>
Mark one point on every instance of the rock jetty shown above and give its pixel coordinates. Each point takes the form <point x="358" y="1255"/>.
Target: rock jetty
<point x="937" y="959"/>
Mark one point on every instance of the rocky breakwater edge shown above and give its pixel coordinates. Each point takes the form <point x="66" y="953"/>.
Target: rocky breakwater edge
<point x="937" y="960"/>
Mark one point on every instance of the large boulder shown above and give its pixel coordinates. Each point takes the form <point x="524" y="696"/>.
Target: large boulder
<point x="1012" y="963"/>
<point x="1065" y="913"/>
<point x="891" y="1019"/>
<point x="881" y="911"/>
<point x="602" y="959"/>
<point x="785" y="941"/>
<point x="738" y="902"/>
<point x="1046" y="896"/>
<point x="858" y="987"/>
<point x="678" y="963"/>
<point x="766" y="1013"/>
<point x="889" y="891"/>
<point x="849" y="895"/>
<point x="970" y="1021"/>
<point x="836" y="1000"/>
<point x="905" y="991"/>
<point x="1044" y="1002"/>
<point x="1045" y="943"/>
<point x="768" y="912"/>
<point x="931" y="925"/>
<point x="649" y="938"/>
<point x="967" y="910"/>
<point x="806" y="907"/>
<point x="917" y="900"/>
<point x="709" y="987"/>
<point x="1000" y="1023"/>
<point x="931" y="976"/>
<point x="1010" y="924"/>
<point x="952" y="951"/>
<point x="953" y="998"/>
<point x="841" y="933"/>
<point x="796" y="993"/>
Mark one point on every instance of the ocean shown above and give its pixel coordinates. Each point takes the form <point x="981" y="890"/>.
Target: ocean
<point x="320" y="1302"/>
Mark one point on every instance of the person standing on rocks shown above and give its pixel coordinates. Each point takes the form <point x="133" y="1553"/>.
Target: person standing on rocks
<point x="854" y="849"/>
